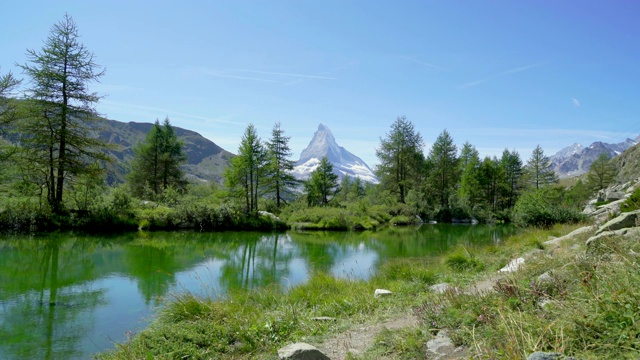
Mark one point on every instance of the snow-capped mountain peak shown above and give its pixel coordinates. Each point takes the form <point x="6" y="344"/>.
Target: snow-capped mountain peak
<point x="344" y="163"/>
<point x="576" y="159"/>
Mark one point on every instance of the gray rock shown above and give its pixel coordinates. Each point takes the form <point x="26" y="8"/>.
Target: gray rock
<point x="301" y="351"/>
<point x="630" y="232"/>
<point x="545" y="278"/>
<point x="570" y="235"/>
<point x="512" y="266"/>
<point x="539" y="355"/>
<point x="611" y="195"/>
<point x="441" y="288"/>
<point x="624" y="220"/>
<point x="381" y="292"/>
<point x="440" y="345"/>
<point x="589" y="209"/>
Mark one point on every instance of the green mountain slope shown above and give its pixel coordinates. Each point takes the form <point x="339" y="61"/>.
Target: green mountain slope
<point x="206" y="161"/>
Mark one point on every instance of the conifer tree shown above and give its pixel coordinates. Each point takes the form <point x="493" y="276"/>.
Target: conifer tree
<point x="247" y="170"/>
<point x="61" y="110"/>
<point x="539" y="171"/>
<point x="445" y="172"/>
<point x="279" y="179"/>
<point x="322" y="185"/>
<point x="157" y="162"/>
<point x="601" y="173"/>
<point x="401" y="158"/>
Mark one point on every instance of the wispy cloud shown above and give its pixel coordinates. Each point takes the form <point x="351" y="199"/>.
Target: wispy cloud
<point x="575" y="102"/>
<point x="501" y="74"/>
<point x="163" y="112"/>
<point x="522" y="68"/>
<point x="423" y="63"/>
<point x="472" y="83"/>
<point x="272" y="76"/>
<point x="289" y="74"/>
<point x="228" y="76"/>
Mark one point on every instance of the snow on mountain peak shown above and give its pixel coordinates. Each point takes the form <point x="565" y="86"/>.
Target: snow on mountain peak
<point x="344" y="163"/>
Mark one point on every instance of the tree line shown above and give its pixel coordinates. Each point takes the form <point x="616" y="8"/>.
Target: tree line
<point x="59" y="159"/>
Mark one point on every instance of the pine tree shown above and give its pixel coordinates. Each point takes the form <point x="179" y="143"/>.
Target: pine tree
<point x="539" y="171"/>
<point x="61" y="110"/>
<point x="401" y="158"/>
<point x="157" y="162"/>
<point x="512" y="169"/>
<point x="279" y="179"/>
<point x="601" y="173"/>
<point x="322" y="185"/>
<point x="445" y="172"/>
<point x="469" y="168"/>
<point x="247" y="170"/>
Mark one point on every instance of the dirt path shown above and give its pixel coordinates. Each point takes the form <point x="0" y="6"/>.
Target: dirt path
<point x="357" y="341"/>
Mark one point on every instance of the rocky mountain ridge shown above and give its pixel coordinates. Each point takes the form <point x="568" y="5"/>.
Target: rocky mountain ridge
<point x="344" y="163"/>
<point x="576" y="159"/>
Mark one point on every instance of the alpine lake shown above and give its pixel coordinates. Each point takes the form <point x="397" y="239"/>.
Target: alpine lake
<point x="68" y="295"/>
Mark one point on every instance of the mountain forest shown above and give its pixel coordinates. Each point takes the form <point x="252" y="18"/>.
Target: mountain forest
<point x="64" y="166"/>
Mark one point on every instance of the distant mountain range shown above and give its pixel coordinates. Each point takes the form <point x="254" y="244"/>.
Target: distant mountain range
<point x="576" y="159"/>
<point x="344" y="163"/>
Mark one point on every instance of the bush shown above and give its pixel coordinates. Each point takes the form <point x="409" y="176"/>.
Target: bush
<point x="632" y="203"/>
<point x="536" y="208"/>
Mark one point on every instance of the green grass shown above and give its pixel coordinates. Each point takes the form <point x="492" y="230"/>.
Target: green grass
<point x="592" y="310"/>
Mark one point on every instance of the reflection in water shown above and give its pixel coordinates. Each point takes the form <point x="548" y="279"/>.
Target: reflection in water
<point x="67" y="296"/>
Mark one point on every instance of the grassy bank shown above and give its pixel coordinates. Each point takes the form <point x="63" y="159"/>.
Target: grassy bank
<point x="591" y="307"/>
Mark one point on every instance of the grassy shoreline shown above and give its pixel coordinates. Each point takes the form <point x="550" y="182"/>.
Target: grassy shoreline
<point x="507" y="323"/>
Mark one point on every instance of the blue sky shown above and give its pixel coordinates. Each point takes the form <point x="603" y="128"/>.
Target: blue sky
<point x="499" y="74"/>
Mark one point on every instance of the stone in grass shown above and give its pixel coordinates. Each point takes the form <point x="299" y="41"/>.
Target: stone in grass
<point x="539" y="355"/>
<point x="323" y="318"/>
<point x="381" y="292"/>
<point x="442" y="288"/>
<point x="514" y="265"/>
<point x="301" y="351"/>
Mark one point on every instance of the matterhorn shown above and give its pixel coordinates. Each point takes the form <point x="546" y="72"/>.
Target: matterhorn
<point x="344" y="163"/>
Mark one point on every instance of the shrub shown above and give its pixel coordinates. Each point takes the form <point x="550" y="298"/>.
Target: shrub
<point x="632" y="203"/>
<point x="536" y="208"/>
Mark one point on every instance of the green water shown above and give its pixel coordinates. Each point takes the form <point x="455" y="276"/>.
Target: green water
<point x="66" y="296"/>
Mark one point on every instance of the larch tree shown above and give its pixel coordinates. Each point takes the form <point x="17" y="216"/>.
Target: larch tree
<point x="444" y="174"/>
<point x="8" y="84"/>
<point x="157" y="162"/>
<point x="538" y="170"/>
<point x="401" y="158"/>
<point x="61" y="110"/>
<point x="512" y="169"/>
<point x="601" y="173"/>
<point x="322" y="185"/>
<point x="247" y="170"/>
<point x="279" y="179"/>
<point x="469" y="168"/>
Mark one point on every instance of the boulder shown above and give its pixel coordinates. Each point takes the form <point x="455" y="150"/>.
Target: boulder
<point x="570" y="235"/>
<point x="624" y="220"/>
<point x="611" y="195"/>
<point x="301" y="351"/>
<point x="268" y="214"/>
<point x="514" y="265"/>
<point x="630" y="232"/>
<point x="381" y="292"/>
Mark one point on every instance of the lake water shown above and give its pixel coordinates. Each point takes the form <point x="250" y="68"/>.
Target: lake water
<point x="67" y="296"/>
